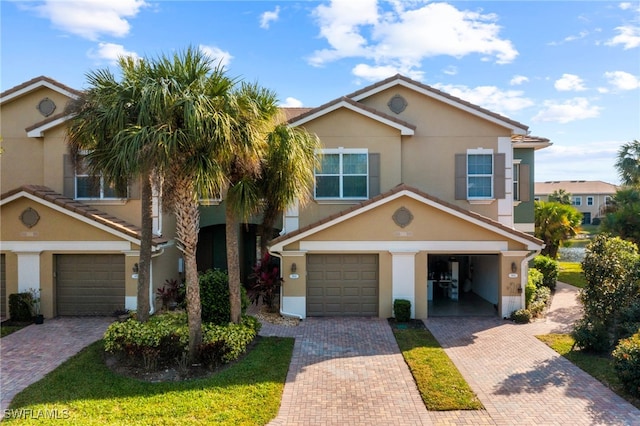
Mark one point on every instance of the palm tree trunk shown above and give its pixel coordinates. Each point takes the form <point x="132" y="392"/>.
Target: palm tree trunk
<point x="231" y="229"/>
<point x="144" y="263"/>
<point x="187" y="228"/>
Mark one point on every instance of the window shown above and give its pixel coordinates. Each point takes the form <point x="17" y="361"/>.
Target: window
<point x="607" y="200"/>
<point x="480" y="175"/>
<point x="577" y="201"/>
<point x="343" y="174"/>
<point x="589" y="201"/>
<point x="93" y="187"/>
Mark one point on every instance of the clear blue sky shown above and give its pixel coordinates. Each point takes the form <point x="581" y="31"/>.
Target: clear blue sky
<point x="569" y="70"/>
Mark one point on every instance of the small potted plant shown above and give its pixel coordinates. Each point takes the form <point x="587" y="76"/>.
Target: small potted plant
<point x="35" y="305"/>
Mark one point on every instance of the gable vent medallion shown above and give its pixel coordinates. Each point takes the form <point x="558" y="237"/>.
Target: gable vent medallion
<point x="46" y="107"/>
<point x="397" y="104"/>
<point x="402" y="217"/>
<point x="29" y="217"/>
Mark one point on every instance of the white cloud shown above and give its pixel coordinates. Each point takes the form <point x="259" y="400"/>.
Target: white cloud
<point x="267" y="17"/>
<point x="517" y="80"/>
<point x="90" y="18"/>
<point x="568" y="111"/>
<point x="628" y="36"/>
<point x="583" y="161"/>
<point x="401" y="38"/>
<point x="489" y="97"/>
<point x="218" y="55"/>
<point x="450" y="70"/>
<point x="622" y="80"/>
<point x="110" y="52"/>
<point x="377" y="73"/>
<point x="291" y="103"/>
<point x="569" y="82"/>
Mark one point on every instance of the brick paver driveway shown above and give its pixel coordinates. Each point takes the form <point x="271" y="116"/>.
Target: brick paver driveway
<point x="27" y="355"/>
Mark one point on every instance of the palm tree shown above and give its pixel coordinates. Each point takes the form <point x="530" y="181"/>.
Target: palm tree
<point x="105" y="119"/>
<point x="561" y="196"/>
<point x="628" y="163"/>
<point x="287" y="174"/>
<point x="254" y="110"/>
<point x="554" y="224"/>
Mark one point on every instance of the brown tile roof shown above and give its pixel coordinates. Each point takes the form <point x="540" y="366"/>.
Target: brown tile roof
<point x="85" y="210"/>
<point x="292" y="112"/>
<point x="36" y="80"/>
<point x="404" y="187"/>
<point x="357" y="105"/>
<point x="437" y="92"/>
<point x="575" y="187"/>
<point x="46" y="121"/>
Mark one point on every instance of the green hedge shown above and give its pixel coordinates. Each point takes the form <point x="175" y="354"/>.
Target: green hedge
<point x="20" y="307"/>
<point x="402" y="310"/>
<point x="549" y="268"/>
<point x="626" y="362"/>
<point x="214" y="297"/>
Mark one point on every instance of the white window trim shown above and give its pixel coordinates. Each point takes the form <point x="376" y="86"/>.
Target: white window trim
<point x="93" y="199"/>
<point x="481" y="151"/>
<point x="576" y="201"/>
<point x="342" y="151"/>
<point x="590" y="200"/>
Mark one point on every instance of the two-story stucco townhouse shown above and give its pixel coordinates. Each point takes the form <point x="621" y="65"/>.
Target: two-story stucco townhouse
<point x="422" y="196"/>
<point x="61" y="230"/>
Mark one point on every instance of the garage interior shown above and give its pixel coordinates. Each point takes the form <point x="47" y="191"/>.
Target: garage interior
<point x="462" y="285"/>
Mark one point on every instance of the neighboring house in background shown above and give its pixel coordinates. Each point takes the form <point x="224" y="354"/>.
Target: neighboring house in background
<point x="61" y="230"/>
<point x="590" y="197"/>
<point x="421" y="196"/>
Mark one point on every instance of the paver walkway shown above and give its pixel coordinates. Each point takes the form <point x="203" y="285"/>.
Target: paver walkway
<point x="27" y="355"/>
<point x="350" y="371"/>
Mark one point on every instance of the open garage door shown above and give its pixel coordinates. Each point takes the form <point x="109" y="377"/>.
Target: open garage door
<point x="90" y="284"/>
<point x="342" y="285"/>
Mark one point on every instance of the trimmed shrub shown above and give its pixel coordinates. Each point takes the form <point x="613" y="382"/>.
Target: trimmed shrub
<point x="402" y="310"/>
<point x="20" y="307"/>
<point x="521" y="316"/>
<point x="628" y="321"/>
<point x="214" y="297"/>
<point x="533" y="280"/>
<point x="549" y="268"/>
<point x="592" y="336"/>
<point x="626" y="362"/>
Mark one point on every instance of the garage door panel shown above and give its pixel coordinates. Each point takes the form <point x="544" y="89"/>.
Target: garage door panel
<point x="90" y="284"/>
<point x="342" y="285"/>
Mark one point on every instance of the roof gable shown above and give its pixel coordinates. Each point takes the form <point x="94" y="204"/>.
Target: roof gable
<point x="400" y="80"/>
<point x="79" y="211"/>
<point x="344" y="102"/>
<point x="476" y="219"/>
<point x="35" y="84"/>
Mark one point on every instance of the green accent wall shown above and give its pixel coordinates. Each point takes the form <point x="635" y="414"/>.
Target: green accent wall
<point x="523" y="212"/>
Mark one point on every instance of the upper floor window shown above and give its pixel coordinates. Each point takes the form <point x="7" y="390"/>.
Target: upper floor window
<point x="343" y="174"/>
<point x="576" y="201"/>
<point x="589" y="201"/>
<point x="94" y="187"/>
<point x="480" y="175"/>
<point x="607" y="199"/>
<point x="516" y="181"/>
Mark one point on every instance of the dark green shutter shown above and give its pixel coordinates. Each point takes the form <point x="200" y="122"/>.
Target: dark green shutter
<point x="69" y="177"/>
<point x="499" y="176"/>
<point x="374" y="174"/>
<point x="461" y="176"/>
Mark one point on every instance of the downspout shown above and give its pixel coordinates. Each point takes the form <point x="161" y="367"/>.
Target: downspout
<point x="283" y="313"/>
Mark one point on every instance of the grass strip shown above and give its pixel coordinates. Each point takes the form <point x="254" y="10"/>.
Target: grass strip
<point x="84" y="391"/>
<point x="598" y="366"/>
<point x="571" y="273"/>
<point x="441" y="385"/>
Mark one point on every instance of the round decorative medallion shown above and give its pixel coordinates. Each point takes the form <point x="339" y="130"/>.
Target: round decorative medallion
<point x="397" y="104"/>
<point x="402" y="217"/>
<point x="46" y="107"/>
<point x="29" y="217"/>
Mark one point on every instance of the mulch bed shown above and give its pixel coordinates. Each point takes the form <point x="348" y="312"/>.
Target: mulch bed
<point x="414" y="324"/>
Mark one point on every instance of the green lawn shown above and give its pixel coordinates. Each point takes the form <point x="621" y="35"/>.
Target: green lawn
<point x="5" y="330"/>
<point x="440" y="383"/>
<point x="598" y="366"/>
<point x="247" y="393"/>
<point x="571" y="273"/>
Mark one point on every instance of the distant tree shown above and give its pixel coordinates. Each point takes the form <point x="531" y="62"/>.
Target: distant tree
<point x="560" y="196"/>
<point x="628" y="163"/>
<point x="623" y="216"/>
<point x="554" y="224"/>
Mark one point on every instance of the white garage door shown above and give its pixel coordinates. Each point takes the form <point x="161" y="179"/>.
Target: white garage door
<point x="342" y="285"/>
